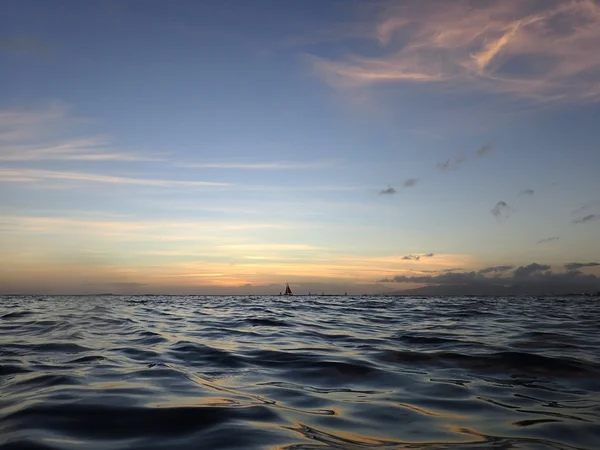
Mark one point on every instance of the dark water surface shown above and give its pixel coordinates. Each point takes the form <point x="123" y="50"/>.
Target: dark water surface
<point x="299" y="373"/>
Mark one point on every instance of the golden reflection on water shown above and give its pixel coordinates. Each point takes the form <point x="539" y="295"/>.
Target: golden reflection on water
<point x="340" y="438"/>
<point x="429" y="412"/>
<point x="197" y="401"/>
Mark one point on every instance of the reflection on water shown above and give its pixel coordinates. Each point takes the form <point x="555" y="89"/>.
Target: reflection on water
<point x="299" y="373"/>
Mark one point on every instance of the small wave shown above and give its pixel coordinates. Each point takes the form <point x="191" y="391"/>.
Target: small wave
<point x="149" y="338"/>
<point x="194" y="353"/>
<point x="9" y="369"/>
<point x="44" y="381"/>
<point x="506" y="361"/>
<point x="306" y="373"/>
<point x="421" y="339"/>
<point x="264" y="322"/>
<point x="528" y="423"/>
<point x="59" y="347"/>
<point x="16" y="315"/>
<point x="87" y="359"/>
<point x="101" y="421"/>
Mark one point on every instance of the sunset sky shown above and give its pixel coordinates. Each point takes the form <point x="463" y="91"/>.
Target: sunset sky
<point x="229" y="146"/>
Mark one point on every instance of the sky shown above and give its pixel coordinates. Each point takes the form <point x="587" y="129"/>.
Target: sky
<point x="229" y="146"/>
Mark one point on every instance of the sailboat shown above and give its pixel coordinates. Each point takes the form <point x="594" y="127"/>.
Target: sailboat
<point x="288" y="291"/>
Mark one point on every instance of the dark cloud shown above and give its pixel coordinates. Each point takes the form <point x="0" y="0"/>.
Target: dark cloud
<point x="525" y="271"/>
<point x="484" y="150"/>
<point x="501" y="210"/>
<point x="445" y="165"/>
<point x="444" y="278"/>
<point x="585" y="207"/>
<point x="588" y="218"/>
<point x="496" y="269"/>
<point x="549" y="239"/>
<point x="451" y="164"/>
<point x="532" y="279"/>
<point x="526" y="192"/>
<point x="417" y="257"/>
<point x="577" y="266"/>
<point x="388" y="191"/>
<point x="411" y="182"/>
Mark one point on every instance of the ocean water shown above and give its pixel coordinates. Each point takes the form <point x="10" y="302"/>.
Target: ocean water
<point x="162" y="372"/>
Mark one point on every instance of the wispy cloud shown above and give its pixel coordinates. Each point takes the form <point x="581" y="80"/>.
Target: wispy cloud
<point x="389" y="191"/>
<point x="586" y="207"/>
<point x="454" y="163"/>
<point x="501" y="210"/>
<point x="544" y="50"/>
<point x="408" y="183"/>
<point x="548" y="239"/>
<point x="577" y="266"/>
<point x="26" y="44"/>
<point x="588" y="218"/>
<point x="583" y="209"/>
<point x="39" y="175"/>
<point x="451" y="164"/>
<point x="85" y="149"/>
<point x="496" y="269"/>
<point x="39" y="135"/>
<point x="526" y="192"/>
<point x="24" y="125"/>
<point x="417" y="257"/>
<point x="154" y="231"/>
<point x="484" y="150"/>
<point x="274" y="165"/>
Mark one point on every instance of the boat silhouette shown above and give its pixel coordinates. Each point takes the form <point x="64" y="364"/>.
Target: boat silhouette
<point x="288" y="291"/>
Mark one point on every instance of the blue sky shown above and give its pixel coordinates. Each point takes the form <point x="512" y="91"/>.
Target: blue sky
<point x="228" y="146"/>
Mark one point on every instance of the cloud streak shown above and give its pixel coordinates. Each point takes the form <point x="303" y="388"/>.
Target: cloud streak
<point x="86" y="149"/>
<point x="577" y="266"/>
<point x="40" y="175"/>
<point x="455" y="163"/>
<point x="38" y="135"/>
<point x="548" y="239"/>
<point x="585" y="219"/>
<point x="544" y="50"/>
<point x="585" y="207"/>
<point x="389" y="191"/>
<point x="496" y="269"/>
<point x="275" y="165"/>
<point x="417" y="257"/>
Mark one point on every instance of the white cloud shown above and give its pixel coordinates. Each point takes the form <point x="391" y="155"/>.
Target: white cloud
<point x="544" y="50"/>
<point x="39" y="175"/>
<point x="274" y="165"/>
<point x="42" y="135"/>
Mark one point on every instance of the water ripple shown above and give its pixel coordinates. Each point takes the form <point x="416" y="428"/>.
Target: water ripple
<point x="430" y="373"/>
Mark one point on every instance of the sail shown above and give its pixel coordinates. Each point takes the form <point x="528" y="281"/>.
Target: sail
<point x="288" y="291"/>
